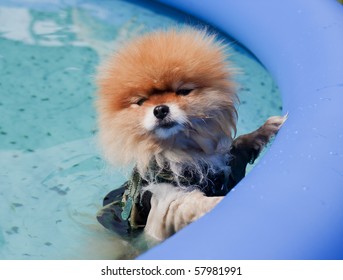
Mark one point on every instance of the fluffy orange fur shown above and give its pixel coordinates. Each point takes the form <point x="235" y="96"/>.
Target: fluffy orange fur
<point x="152" y="68"/>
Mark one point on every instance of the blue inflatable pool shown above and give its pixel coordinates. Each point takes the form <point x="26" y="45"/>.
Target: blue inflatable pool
<point x="290" y="206"/>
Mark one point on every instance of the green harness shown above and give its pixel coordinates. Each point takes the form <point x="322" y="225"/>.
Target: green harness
<point x="125" y="210"/>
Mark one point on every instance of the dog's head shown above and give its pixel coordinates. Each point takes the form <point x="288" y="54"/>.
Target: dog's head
<point x="166" y="95"/>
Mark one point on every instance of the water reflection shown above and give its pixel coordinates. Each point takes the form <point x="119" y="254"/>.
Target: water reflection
<point x="52" y="176"/>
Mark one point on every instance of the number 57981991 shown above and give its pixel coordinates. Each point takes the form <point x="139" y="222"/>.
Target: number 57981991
<point x="213" y="270"/>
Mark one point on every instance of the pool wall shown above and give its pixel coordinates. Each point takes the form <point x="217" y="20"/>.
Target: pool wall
<point x="290" y="206"/>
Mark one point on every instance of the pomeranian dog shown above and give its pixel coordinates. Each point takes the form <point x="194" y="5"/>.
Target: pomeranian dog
<point x="166" y="104"/>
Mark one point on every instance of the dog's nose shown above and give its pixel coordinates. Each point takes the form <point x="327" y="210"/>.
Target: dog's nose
<point x="161" y="111"/>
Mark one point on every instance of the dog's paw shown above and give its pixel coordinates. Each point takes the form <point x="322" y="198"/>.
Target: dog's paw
<point x="247" y="147"/>
<point x="261" y="137"/>
<point x="272" y="126"/>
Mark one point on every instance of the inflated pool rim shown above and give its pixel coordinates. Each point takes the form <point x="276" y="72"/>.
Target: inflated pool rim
<point x="290" y="206"/>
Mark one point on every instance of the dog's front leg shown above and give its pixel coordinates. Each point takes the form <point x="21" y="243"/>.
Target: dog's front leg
<point x="172" y="208"/>
<point x="246" y="148"/>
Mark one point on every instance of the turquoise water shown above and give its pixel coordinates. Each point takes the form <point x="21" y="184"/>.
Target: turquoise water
<point x="52" y="177"/>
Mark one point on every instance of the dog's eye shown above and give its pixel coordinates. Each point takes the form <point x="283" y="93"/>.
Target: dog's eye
<point x="184" y="91"/>
<point x="140" y="101"/>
